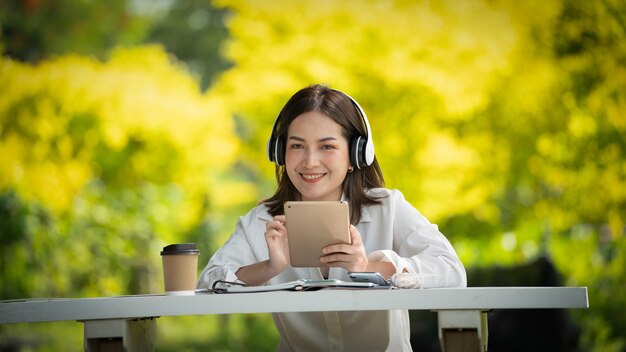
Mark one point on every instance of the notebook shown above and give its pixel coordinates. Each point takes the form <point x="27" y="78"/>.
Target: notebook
<point x="302" y="285"/>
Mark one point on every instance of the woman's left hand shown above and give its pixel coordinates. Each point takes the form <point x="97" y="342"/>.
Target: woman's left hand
<point x="351" y="257"/>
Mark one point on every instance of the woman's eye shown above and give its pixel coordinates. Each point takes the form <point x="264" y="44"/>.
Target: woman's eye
<point x="328" y="146"/>
<point x="295" y="146"/>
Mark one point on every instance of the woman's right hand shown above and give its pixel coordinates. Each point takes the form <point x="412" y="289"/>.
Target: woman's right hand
<point x="261" y="272"/>
<point x="277" y="243"/>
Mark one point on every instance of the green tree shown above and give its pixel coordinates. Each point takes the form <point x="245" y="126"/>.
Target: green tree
<point x="194" y="31"/>
<point x="34" y="30"/>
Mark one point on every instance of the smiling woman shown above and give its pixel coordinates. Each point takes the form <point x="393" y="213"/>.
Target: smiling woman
<point x="323" y="150"/>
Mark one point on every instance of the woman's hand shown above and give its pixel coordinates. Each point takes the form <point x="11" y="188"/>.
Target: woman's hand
<point x="277" y="244"/>
<point x="278" y="249"/>
<point x="351" y="257"/>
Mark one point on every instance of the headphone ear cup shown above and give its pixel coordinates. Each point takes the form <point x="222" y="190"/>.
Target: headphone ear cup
<point x="271" y="144"/>
<point x="279" y="156"/>
<point x="357" y="152"/>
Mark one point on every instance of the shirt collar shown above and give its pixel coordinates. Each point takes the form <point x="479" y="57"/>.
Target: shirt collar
<point x="366" y="215"/>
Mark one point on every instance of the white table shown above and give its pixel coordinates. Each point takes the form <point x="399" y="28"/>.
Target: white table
<point x="129" y="321"/>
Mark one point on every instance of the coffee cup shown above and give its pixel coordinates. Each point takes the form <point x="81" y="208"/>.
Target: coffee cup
<point x="180" y="268"/>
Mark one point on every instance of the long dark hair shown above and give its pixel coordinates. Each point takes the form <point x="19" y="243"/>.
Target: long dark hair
<point x="340" y="108"/>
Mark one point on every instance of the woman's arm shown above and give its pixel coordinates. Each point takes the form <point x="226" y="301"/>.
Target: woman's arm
<point x="404" y="241"/>
<point x="278" y="249"/>
<point x="419" y="247"/>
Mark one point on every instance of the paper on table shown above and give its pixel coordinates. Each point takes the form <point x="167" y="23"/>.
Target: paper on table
<point x="301" y="285"/>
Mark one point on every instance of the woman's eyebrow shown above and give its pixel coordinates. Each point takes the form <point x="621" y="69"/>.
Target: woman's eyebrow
<point x="325" y="139"/>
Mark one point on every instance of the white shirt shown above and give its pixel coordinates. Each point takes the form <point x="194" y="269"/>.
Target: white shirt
<point x="391" y="231"/>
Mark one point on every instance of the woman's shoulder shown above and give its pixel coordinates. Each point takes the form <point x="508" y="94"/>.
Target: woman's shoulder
<point x="258" y="213"/>
<point x="388" y="198"/>
<point x="393" y="201"/>
<point x="382" y="193"/>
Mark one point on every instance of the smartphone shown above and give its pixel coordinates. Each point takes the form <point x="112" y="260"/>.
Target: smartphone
<point x="372" y="277"/>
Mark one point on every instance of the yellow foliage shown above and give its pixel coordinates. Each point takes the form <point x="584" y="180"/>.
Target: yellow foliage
<point x="503" y="121"/>
<point x="435" y="45"/>
<point x="429" y="63"/>
<point x="448" y="169"/>
<point x="139" y="94"/>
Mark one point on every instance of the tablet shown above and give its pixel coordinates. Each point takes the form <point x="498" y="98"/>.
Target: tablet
<point x="312" y="226"/>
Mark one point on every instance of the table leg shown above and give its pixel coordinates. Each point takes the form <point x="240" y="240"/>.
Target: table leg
<point x="462" y="330"/>
<point x="120" y="335"/>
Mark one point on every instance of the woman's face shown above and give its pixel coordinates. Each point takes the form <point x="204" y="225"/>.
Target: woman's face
<point x="317" y="156"/>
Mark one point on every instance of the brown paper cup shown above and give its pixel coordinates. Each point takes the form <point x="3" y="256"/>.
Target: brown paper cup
<point x="180" y="268"/>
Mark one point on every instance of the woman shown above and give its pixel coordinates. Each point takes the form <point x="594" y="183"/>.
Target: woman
<point x="323" y="150"/>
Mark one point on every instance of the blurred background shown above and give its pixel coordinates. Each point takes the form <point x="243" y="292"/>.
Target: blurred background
<point x="127" y="125"/>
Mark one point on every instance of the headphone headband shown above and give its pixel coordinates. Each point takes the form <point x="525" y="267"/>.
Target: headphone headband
<point x="361" y="147"/>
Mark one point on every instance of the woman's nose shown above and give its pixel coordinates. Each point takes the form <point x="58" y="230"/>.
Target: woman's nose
<point x="311" y="158"/>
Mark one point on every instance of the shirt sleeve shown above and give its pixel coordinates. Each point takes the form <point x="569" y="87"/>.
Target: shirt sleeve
<point x="419" y="248"/>
<point x="235" y="253"/>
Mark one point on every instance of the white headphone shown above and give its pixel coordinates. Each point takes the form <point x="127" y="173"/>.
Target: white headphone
<point x="361" y="147"/>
